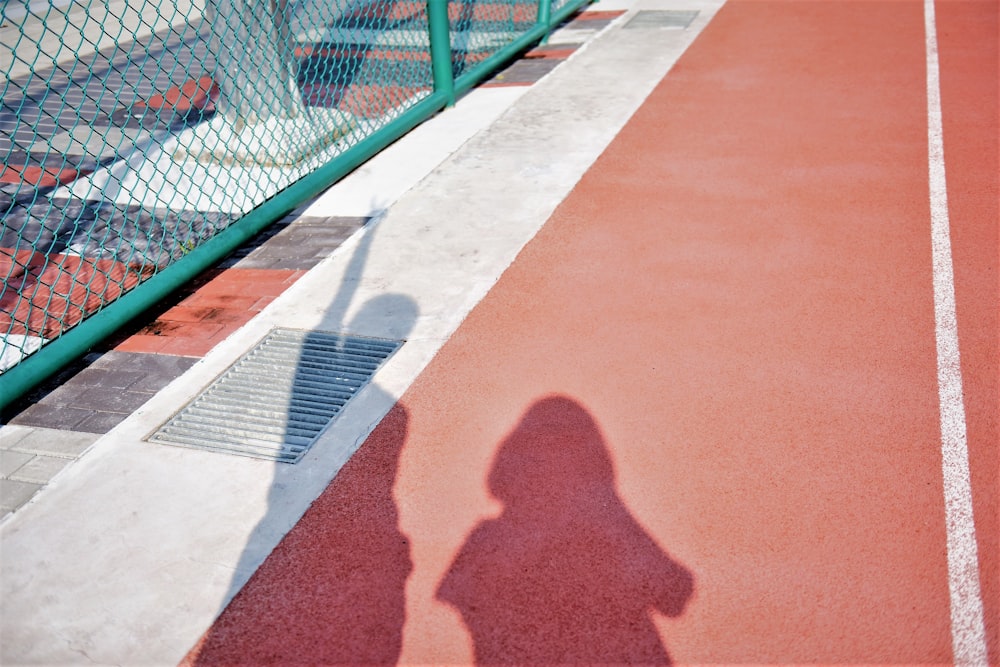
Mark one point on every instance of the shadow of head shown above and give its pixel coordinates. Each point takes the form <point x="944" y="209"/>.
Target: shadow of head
<point x="565" y="574"/>
<point x="556" y="452"/>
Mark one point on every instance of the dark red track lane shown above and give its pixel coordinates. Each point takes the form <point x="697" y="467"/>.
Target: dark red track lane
<point x="697" y="419"/>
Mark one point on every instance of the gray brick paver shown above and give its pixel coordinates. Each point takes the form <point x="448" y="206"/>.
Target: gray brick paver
<point x="51" y="415"/>
<point x="100" y="423"/>
<point x="11" y="434"/>
<point x="13" y="494"/>
<point x="108" y="378"/>
<point x="110" y="399"/>
<point x="158" y="370"/>
<point x="40" y="469"/>
<point x="52" y="442"/>
<point x="11" y="461"/>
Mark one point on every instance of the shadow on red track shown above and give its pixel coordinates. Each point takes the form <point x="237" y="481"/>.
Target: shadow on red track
<point x="564" y="574"/>
<point x="332" y="592"/>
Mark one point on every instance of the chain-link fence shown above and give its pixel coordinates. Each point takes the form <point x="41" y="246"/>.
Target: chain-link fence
<point x="136" y="132"/>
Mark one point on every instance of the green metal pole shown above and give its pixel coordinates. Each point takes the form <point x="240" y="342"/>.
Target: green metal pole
<point x="469" y="79"/>
<point x="545" y="17"/>
<point x="440" y="36"/>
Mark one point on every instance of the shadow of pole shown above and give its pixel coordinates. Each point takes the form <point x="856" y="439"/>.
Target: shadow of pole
<point x="332" y="591"/>
<point x="261" y="534"/>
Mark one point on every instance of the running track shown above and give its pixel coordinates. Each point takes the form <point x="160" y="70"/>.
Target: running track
<point x="698" y="418"/>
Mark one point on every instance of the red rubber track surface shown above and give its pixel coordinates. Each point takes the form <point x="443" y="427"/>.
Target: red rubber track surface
<point x="697" y="419"/>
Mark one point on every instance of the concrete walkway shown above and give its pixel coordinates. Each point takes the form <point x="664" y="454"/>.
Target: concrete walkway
<point x="678" y="383"/>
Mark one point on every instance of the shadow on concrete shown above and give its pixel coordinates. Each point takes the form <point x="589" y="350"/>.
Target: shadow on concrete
<point x="333" y="588"/>
<point x="565" y="574"/>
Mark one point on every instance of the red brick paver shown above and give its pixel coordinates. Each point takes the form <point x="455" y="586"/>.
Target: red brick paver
<point x="228" y="300"/>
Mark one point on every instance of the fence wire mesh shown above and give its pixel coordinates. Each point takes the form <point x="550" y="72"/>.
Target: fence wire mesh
<point x="479" y="29"/>
<point x="135" y="130"/>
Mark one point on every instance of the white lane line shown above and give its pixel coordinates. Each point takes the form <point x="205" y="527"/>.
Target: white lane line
<point x="968" y="632"/>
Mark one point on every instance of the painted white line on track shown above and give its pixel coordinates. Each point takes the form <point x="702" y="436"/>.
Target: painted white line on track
<point x="968" y="631"/>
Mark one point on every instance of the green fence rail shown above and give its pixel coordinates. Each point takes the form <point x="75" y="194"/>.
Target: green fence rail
<point x="144" y="140"/>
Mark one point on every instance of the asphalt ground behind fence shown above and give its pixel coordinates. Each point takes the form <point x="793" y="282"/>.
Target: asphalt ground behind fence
<point x="696" y="420"/>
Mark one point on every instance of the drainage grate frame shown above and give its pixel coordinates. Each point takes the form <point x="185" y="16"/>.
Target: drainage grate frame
<point x="678" y="19"/>
<point x="278" y="398"/>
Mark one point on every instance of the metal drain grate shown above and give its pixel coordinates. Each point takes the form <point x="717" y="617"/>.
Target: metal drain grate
<point x="662" y="19"/>
<point x="275" y="401"/>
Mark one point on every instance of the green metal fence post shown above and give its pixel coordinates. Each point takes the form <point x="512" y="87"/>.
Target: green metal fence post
<point x="440" y="36"/>
<point x="545" y="17"/>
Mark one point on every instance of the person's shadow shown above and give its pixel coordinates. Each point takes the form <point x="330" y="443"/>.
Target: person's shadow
<point x="565" y="574"/>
